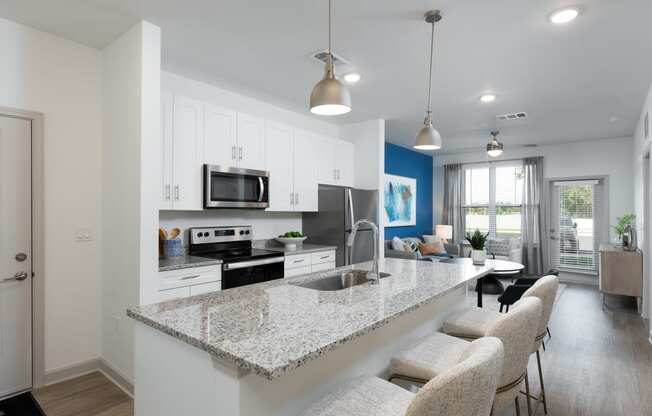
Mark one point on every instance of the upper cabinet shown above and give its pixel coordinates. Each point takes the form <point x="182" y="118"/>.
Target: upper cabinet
<point x="251" y="142"/>
<point x="291" y="157"/>
<point x="182" y="136"/>
<point x="335" y="163"/>
<point x="194" y="133"/>
<point x="220" y="142"/>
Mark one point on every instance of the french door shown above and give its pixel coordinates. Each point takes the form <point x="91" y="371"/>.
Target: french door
<point x="15" y="256"/>
<point x="576" y="224"/>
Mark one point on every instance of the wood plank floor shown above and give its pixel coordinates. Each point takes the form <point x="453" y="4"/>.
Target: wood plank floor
<point x="598" y="363"/>
<point x="89" y="395"/>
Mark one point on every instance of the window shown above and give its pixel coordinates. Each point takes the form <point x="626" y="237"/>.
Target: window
<point x="493" y="199"/>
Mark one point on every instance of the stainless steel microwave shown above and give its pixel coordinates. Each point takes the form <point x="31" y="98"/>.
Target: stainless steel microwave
<point x="228" y="187"/>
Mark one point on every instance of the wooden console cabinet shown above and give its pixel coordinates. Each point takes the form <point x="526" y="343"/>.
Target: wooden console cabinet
<point x="621" y="272"/>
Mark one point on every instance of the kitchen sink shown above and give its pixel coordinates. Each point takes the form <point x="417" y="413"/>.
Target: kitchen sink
<point x="339" y="281"/>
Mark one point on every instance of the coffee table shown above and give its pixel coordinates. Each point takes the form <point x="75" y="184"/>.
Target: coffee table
<point x="490" y="284"/>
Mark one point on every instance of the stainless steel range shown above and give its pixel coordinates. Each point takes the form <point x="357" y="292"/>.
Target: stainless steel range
<point x="242" y="264"/>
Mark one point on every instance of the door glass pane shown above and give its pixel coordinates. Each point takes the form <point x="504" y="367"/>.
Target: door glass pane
<point x="576" y="227"/>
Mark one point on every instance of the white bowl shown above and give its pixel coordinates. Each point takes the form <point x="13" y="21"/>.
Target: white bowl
<point x="291" y="242"/>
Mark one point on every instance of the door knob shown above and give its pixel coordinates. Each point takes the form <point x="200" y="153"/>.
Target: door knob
<point x="21" y="257"/>
<point x="20" y="276"/>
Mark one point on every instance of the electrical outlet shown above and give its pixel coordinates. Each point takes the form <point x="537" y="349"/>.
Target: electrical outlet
<point x="83" y="235"/>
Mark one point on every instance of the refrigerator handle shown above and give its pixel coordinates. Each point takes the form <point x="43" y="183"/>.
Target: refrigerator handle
<point x="351" y="216"/>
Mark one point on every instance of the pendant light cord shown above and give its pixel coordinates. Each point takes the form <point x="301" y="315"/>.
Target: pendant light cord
<point x="330" y="33"/>
<point x="432" y="51"/>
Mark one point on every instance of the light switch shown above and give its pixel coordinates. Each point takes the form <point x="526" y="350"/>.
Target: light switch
<point x="83" y="235"/>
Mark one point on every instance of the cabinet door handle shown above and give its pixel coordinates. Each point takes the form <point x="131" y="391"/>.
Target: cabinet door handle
<point x="176" y="192"/>
<point x="298" y="261"/>
<point x="190" y="277"/>
<point x="291" y="198"/>
<point x="324" y="257"/>
<point x="240" y="153"/>
<point x="339" y="175"/>
<point x="167" y="192"/>
<point x="296" y="199"/>
<point x="233" y="152"/>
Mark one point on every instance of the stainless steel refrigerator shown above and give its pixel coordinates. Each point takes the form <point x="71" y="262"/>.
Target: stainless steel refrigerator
<point x="339" y="209"/>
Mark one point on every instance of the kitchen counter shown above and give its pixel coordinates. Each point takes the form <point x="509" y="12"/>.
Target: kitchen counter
<point x="185" y="262"/>
<point x="275" y="327"/>
<point x="301" y="249"/>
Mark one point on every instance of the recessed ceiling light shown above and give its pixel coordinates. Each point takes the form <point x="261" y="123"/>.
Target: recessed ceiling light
<point x="352" y="77"/>
<point x="488" y="98"/>
<point x="562" y="16"/>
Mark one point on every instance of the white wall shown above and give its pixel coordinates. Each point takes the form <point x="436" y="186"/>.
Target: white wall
<point x="62" y="80"/>
<point x="610" y="157"/>
<point x="641" y="148"/>
<point x="130" y="173"/>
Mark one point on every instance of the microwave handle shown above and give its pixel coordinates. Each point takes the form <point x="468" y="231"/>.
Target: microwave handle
<point x="262" y="189"/>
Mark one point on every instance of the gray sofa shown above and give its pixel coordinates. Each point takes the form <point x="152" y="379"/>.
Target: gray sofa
<point x="451" y="249"/>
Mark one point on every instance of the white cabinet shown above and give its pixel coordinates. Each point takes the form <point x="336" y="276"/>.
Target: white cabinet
<point x="189" y="282"/>
<point x="251" y="142"/>
<point x="335" y="162"/>
<point x="220" y="141"/>
<point x="299" y="264"/>
<point x="278" y="160"/>
<point x="344" y="159"/>
<point x="182" y="152"/>
<point x="290" y="157"/>
<point x="167" y="112"/>
<point x="305" y="171"/>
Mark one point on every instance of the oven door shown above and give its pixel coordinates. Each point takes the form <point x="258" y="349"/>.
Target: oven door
<point x="251" y="272"/>
<point x="226" y="187"/>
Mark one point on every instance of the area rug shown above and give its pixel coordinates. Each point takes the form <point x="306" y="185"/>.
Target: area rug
<point x="21" y="405"/>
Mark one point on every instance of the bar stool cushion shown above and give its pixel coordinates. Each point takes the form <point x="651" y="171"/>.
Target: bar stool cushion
<point x="363" y="397"/>
<point x="432" y="356"/>
<point x="470" y="323"/>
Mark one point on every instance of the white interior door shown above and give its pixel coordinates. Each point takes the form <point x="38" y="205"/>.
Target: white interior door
<point x="15" y="256"/>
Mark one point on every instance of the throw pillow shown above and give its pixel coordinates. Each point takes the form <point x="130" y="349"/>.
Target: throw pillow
<point x="410" y="245"/>
<point x="397" y="244"/>
<point x="434" y="248"/>
<point x="430" y="239"/>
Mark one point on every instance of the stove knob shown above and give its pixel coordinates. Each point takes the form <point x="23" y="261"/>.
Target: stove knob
<point x="241" y="232"/>
<point x="205" y="234"/>
<point x="247" y="232"/>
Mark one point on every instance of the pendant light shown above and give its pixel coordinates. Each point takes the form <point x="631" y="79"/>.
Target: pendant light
<point x="428" y="138"/>
<point x="494" y="147"/>
<point x="330" y="97"/>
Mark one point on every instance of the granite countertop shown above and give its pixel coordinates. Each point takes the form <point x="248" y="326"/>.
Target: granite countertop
<point x="185" y="262"/>
<point x="274" y="327"/>
<point x="301" y="249"/>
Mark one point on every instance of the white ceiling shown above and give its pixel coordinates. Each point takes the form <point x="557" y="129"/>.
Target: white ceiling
<point x="585" y="80"/>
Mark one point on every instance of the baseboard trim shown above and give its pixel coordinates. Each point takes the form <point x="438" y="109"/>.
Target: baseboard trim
<point x="86" y="367"/>
<point x="116" y="377"/>
<point x="71" y="371"/>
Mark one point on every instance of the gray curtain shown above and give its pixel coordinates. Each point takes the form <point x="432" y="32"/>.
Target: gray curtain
<point x="453" y="213"/>
<point x="532" y="218"/>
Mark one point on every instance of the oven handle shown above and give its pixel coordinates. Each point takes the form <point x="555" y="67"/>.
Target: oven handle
<point x="262" y="189"/>
<point x="252" y="263"/>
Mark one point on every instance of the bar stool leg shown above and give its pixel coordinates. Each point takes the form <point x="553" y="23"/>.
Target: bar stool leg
<point x="543" y="390"/>
<point x="527" y="395"/>
<point x="517" y="406"/>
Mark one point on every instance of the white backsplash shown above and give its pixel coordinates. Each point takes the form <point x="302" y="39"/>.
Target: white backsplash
<point x="265" y="224"/>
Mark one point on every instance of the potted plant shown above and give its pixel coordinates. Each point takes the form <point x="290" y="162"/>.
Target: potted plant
<point x="623" y="222"/>
<point x="477" y="241"/>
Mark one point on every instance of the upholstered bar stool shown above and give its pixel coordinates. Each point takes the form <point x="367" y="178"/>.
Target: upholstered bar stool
<point x="475" y="322"/>
<point x="465" y="389"/>
<point x="436" y="353"/>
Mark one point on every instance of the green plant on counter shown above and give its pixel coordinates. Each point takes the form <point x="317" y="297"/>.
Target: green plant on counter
<point x="292" y="234"/>
<point x="477" y="239"/>
<point x="624" y="221"/>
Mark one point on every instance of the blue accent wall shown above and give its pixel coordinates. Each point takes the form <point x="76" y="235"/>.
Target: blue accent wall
<point x="405" y="162"/>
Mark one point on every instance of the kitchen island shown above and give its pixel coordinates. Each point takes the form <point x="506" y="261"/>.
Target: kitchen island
<point x="274" y="348"/>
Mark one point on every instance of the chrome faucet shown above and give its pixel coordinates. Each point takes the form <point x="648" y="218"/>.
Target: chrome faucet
<point x="373" y="275"/>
